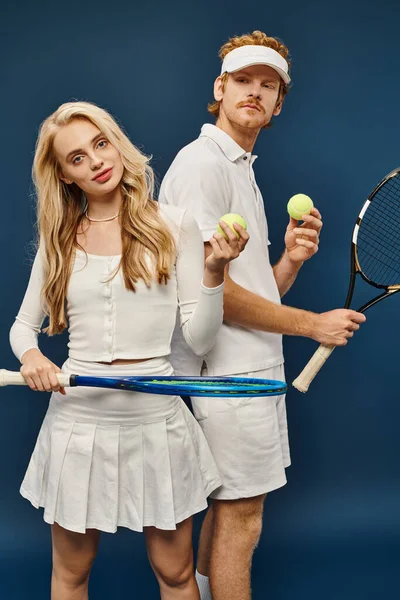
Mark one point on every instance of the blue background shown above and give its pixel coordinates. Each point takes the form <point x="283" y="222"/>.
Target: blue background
<point x="334" y="531"/>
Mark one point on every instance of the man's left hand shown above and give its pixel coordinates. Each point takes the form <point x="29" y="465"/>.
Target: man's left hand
<point x="302" y="241"/>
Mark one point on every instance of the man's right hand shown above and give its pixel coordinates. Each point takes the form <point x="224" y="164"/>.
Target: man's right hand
<point x="335" y="327"/>
<point x="39" y="372"/>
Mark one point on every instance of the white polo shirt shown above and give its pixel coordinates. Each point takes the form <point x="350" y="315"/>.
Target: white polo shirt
<point x="212" y="176"/>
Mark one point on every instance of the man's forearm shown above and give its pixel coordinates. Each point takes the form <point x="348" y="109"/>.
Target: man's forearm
<point x="285" y="273"/>
<point x="249" y="310"/>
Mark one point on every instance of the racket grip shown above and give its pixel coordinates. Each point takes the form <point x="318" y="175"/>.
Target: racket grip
<point x="15" y="378"/>
<point x="303" y="381"/>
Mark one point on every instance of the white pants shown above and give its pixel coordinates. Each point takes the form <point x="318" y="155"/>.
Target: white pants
<point x="248" y="438"/>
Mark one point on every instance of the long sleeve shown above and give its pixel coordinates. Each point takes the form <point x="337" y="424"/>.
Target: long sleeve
<point x="26" y="328"/>
<point x="201" y="308"/>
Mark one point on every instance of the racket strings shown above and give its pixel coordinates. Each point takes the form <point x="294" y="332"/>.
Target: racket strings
<point x="378" y="240"/>
<point x="387" y="252"/>
<point x="378" y="265"/>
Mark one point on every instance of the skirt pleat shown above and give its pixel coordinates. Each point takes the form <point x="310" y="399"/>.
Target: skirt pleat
<point x="36" y="476"/>
<point x="131" y="482"/>
<point x="73" y="464"/>
<point x="102" y="506"/>
<point x="159" y="508"/>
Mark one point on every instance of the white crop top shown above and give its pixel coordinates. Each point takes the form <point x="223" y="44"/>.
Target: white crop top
<point x="108" y="322"/>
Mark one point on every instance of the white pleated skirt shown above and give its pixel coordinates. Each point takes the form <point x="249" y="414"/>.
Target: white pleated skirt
<point x="110" y="458"/>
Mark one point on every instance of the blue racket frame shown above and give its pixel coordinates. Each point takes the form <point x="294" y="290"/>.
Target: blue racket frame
<point x="187" y="386"/>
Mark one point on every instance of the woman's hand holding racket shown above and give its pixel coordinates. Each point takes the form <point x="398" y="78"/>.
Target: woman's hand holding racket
<point x="39" y="372"/>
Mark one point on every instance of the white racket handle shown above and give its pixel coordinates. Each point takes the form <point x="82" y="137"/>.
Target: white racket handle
<point x="303" y="381"/>
<point x="15" y="378"/>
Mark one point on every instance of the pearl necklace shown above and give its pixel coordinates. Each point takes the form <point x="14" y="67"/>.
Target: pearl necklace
<point x="100" y="220"/>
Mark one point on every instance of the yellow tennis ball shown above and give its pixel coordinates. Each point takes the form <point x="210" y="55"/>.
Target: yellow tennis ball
<point x="230" y="219"/>
<point x="299" y="205"/>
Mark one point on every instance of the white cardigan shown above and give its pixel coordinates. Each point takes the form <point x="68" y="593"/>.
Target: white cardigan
<point x="108" y="322"/>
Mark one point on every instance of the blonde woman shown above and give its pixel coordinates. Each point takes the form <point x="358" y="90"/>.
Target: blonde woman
<point x="114" y="266"/>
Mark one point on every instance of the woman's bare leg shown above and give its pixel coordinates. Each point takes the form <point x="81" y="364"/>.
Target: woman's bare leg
<point x="73" y="556"/>
<point x="171" y="557"/>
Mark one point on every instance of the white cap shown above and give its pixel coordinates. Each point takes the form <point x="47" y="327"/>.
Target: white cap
<point x="246" y="56"/>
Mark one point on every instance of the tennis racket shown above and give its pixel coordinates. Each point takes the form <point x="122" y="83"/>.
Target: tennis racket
<point x="169" y="386"/>
<point x="375" y="255"/>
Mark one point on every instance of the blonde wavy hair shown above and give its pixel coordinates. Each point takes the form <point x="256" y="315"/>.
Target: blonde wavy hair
<point x="60" y="211"/>
<point x="257" y="38"/>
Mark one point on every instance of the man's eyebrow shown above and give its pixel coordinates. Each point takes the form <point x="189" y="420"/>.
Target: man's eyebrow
<point x="269" y="78"/>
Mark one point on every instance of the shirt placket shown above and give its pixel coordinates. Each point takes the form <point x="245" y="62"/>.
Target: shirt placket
<point x="109" y="301"/>
<point x="258" y="199"/>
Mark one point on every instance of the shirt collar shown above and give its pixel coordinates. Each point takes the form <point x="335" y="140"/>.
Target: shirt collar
<point x="229" y="147"/>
